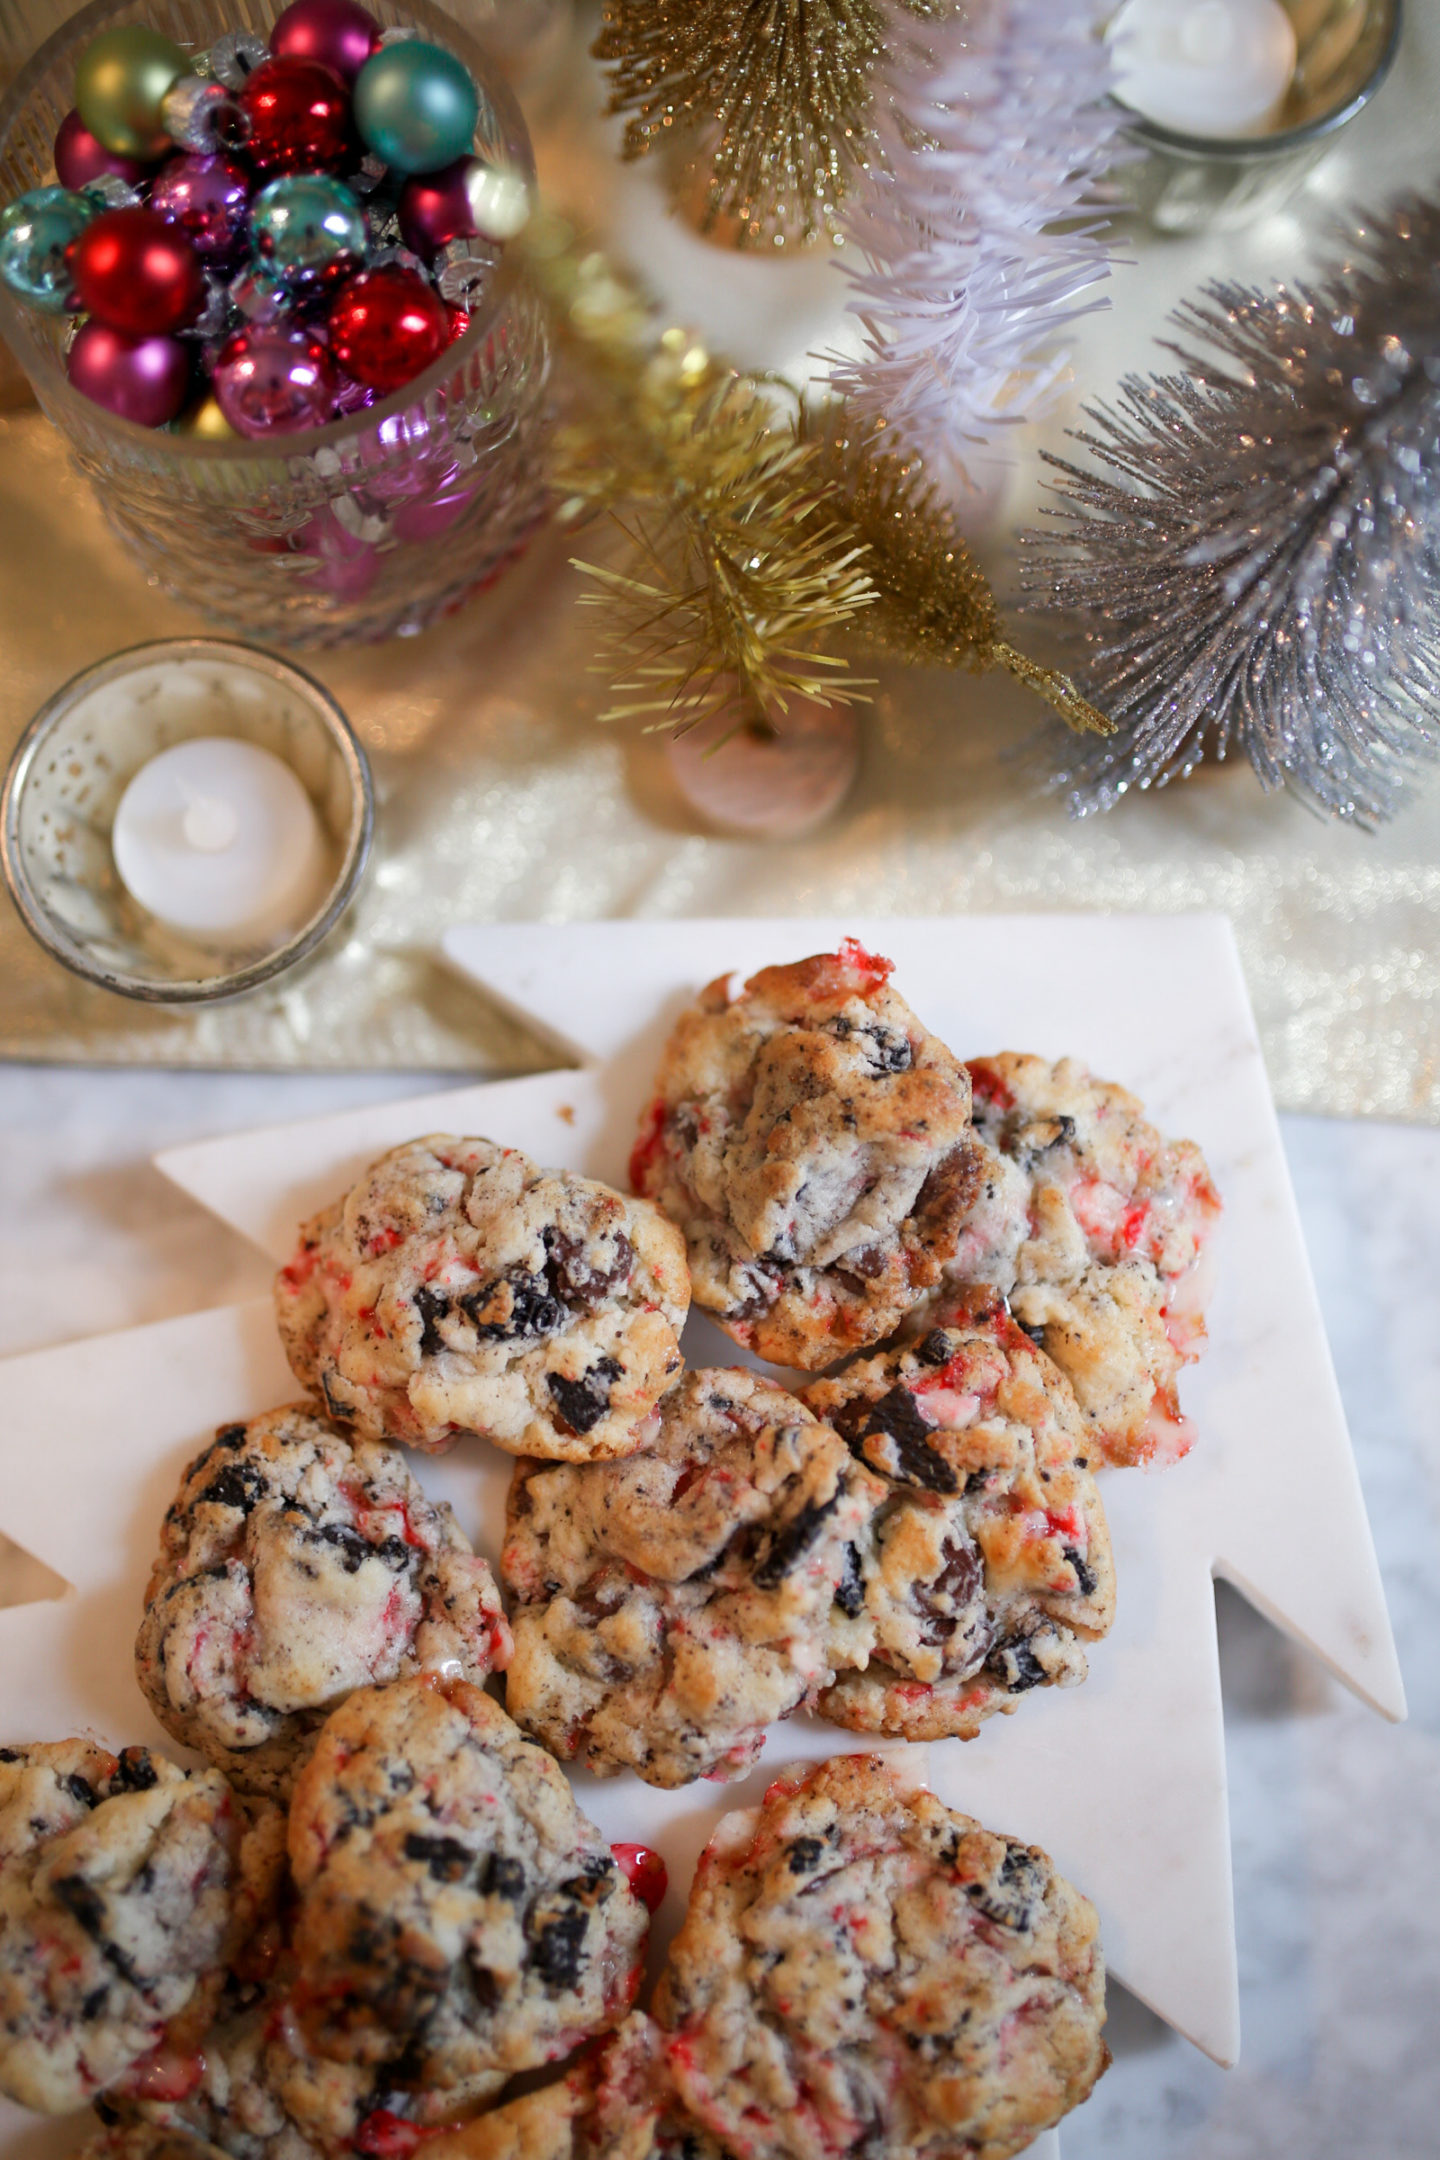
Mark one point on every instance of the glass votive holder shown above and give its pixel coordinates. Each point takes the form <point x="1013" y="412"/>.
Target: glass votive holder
<point x="373" y="526"/>
<point x="1194" y="183"/>
<point x="74" y="763"/>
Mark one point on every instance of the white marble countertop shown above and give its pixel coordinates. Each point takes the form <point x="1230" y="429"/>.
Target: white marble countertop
<point x="1335" y="1816"/>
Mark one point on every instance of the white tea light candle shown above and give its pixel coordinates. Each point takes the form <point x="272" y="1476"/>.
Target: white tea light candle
<point x="216" y="837"/>
<point x="1213" y="68"/>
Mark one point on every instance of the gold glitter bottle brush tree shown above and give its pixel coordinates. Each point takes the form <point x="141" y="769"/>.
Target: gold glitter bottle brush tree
<point x="757" y="536"/>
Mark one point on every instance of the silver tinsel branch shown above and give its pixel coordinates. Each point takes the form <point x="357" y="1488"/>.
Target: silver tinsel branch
<point x="1255" y="565"/>
<point x="973" y="232"/>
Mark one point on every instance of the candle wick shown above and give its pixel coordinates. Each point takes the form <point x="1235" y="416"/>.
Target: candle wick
<point x="209" y="825"/>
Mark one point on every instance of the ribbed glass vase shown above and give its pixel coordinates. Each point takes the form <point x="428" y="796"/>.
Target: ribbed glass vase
<point x="371" y="527"/>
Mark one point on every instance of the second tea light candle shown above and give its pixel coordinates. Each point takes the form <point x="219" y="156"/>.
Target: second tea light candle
<point x="1219" y="69"/>
<point x="217" y="838"/>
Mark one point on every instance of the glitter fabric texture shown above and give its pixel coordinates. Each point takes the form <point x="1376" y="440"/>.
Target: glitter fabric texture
<point x="1255" y="566"/>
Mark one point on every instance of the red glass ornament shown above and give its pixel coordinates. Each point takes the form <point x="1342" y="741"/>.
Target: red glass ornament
<point x="137" y="273"/>
<point x="386" y="326"/>
<point x="459" y="321"/>
<point x="142" y="379"/>
<point x="79" y="158"/>
<point x="299" y="118"/>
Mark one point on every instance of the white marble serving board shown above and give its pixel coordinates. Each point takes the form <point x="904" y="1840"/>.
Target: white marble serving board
<point x="1122" y="1780"/>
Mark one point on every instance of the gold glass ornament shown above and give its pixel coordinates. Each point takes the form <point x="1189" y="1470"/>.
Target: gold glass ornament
<point x="120" y="85"/>
<point x="205" y="423"/>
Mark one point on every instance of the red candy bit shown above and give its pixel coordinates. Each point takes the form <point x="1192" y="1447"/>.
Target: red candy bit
<point x="874" y="971"/>
<point x="988" y="1086"/>
<point x="645" y="1872"/>
<point x="387" y="2136"/>
<point x="648" y="1147"/>
<point x="163" y="2074"/>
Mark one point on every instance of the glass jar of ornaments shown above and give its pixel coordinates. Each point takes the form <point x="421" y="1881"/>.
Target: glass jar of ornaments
<point x="259" y="273"/>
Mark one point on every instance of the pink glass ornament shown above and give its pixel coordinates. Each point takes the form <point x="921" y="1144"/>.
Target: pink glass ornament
<point x="337" y="33"/>
<point x="145" y="379"/>
<point x="427" y="520"/>
<point x="208" y="198"/>
<point x="271" y="380"/>
<point x="80" y="158"/>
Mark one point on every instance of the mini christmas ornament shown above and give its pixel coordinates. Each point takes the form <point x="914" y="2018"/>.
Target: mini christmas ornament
<point x="1254" y="566"/>
<point x="462" y="271"/>
<point x="205" y="423"/>
<point x="208" y="200"/>
<point x="386" y="326"/>
<point x="257" y="294"/>
<point x="120" y="86"/>
<point x="145" y="379"/>
<point x="467" y="199"/>
<point x="416" y="106"/>
<point x="337" y="33"/>
<point x="233" y="59"/>
<point x="110" y="192"/>
<point x="203" y="116"/>
<point x="299" y="117"/>
<point x="136" y="273"/>
<point x="80" y="159"/>
<point x="308" y="231"/>
<point x="36" y="233"/>
<point x="274" y="380"/>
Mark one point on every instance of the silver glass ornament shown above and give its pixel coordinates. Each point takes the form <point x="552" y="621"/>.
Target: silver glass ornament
<point x="371" y="173"/>
<point x="110" y="192"/>
<point x="203" y="116"/>
<point x="463" y="269"/>
<point x="219" y="314"/>
<point x="233" y="59"/>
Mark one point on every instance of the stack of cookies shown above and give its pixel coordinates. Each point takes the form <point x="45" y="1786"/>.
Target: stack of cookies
<point x="379" y="1904"/>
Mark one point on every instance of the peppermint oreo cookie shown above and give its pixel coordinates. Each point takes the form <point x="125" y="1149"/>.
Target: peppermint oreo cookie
<point x="457" y="1913"/>
<point x="672" y="1605"/>
<point x="297" y="1564"/>
<point x="457" y="1288"/>
<point x="812" y="1139"/>
<point x="987" y="1567"/>
<point x="864" y="1971"/>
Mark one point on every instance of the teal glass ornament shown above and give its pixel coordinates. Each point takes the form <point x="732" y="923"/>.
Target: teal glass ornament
<point x="35" y="231"/>
<point x="308" y="231"/>
<point x="416" y="106"/>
